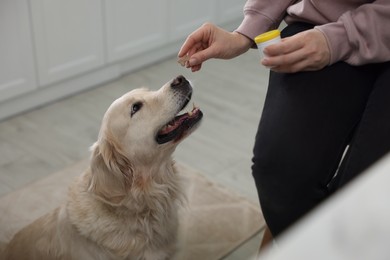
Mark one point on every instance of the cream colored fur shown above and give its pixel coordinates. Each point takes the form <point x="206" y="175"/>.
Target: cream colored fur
<point x="124" y="206"/>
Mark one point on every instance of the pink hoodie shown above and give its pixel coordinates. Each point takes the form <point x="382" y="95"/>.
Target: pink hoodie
<point x="356" y="30"/>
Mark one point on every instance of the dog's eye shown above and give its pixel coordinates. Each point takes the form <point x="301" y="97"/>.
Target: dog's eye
<point x="135" y="108"/>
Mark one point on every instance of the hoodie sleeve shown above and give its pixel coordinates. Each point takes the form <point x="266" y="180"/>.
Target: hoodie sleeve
<point x="360" y="36"/>
<point x="262" y="15"/>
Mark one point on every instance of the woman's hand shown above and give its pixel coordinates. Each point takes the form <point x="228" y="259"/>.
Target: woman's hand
<point x="210" y="41"/>
<point x="305" y="51"/>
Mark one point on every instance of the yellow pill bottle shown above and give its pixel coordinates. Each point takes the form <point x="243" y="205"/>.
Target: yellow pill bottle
<point x="265" y="39"/>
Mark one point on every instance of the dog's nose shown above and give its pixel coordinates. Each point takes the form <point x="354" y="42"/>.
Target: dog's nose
<point x="179" y="82"/>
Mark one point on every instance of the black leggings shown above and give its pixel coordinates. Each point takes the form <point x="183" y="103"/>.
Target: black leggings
<point x="308" y="120"/>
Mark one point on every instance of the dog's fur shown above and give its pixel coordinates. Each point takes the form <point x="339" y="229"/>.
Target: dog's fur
<point x="124" y="206"/>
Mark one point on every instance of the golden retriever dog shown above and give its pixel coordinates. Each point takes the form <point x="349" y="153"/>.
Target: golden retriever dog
<point x="124" y="206"/>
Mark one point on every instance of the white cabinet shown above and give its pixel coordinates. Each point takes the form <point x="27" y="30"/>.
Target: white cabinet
<point x="17" y="73"/>
<point x="187" y="15"/>
<point x="68" y="37"/>
<point x="134" y="27"/>
<point x="50" y="49"/>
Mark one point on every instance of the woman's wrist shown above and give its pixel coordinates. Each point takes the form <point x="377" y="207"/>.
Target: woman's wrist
<point x="243" y="42"/>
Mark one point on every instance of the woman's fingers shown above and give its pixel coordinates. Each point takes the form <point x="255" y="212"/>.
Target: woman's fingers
<point x="194" y="39"/>
<point x="304" y="51"/>
<point x="210" y="41"/>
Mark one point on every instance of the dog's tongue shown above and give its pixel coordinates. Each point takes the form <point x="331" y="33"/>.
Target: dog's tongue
<point x="179" y="126"/>
<point x="177" y="121"/>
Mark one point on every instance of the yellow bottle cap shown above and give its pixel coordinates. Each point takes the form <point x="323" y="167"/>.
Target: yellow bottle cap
<point x="267" y="36"/>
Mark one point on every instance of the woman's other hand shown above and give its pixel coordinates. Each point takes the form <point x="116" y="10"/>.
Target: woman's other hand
<point x="305" y="51"/>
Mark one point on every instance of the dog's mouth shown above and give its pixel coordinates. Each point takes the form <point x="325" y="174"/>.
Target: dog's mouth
<point x="180" y="126"/>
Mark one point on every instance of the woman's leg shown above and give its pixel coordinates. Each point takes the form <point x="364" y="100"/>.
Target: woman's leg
<point x="307" y="121"/>
<point x="372" y="138"/>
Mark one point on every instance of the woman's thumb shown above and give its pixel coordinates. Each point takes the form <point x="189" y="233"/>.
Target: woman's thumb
<point x="201" y="56"/>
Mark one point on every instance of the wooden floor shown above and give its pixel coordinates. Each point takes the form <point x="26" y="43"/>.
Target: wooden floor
<point x="230" y="93"/>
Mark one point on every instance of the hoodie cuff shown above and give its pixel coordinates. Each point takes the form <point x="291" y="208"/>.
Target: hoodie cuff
<point x="254" y="24"/>
<point x="337" y="39"/>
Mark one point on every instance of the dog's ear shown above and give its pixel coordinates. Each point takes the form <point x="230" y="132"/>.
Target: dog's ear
<point x="111" y="172"/>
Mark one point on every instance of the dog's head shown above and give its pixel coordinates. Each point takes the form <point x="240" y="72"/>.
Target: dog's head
<point x="140" y="130"/>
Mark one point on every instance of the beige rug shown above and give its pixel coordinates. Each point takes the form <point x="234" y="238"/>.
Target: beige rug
<point x="216" y="222"/>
